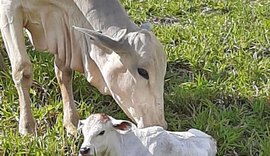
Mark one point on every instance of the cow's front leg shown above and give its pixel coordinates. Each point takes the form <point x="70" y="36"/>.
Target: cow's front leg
<point x="64" y="77"/>
<point x="12" y="32"/>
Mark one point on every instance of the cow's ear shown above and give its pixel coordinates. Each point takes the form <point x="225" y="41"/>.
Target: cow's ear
<point x="117" y="44"/>
<point x="119" y="35"/>
<point x="146" y="26"/>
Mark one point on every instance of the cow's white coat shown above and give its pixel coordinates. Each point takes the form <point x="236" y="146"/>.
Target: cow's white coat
<point x="110" y="60"/>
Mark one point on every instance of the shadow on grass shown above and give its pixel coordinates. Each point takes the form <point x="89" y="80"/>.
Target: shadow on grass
<point x="238" y="123"/>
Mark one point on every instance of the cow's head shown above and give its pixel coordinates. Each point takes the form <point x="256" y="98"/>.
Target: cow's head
<point x="133" y="66"/>
<point x="99" y="132"/>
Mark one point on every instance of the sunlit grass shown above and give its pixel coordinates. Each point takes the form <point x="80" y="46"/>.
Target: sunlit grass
<point x="217" y="79"/>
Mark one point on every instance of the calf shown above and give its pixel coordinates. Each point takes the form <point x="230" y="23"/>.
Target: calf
<point x="106" y="136"/>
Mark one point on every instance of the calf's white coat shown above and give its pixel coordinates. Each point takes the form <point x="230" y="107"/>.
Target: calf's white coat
<point x="122" y="138"/>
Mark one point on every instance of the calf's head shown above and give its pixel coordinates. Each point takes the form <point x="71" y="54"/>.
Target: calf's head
<point x="99" y="132"/>
<point x="133" y="68"/>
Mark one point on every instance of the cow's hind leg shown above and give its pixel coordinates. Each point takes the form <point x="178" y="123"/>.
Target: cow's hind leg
<point x="64" y="77"/>
<point x="12" y="32"/>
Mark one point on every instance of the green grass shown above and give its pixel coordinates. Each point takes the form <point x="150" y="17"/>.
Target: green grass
<point x="217" y="79"/>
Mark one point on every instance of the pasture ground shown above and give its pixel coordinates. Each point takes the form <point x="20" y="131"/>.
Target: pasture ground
<point x="218" y="79"/>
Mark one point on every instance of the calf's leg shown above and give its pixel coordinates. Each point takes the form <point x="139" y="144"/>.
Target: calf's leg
<point x="12" y="32"/>
<point x="64" y="77"/>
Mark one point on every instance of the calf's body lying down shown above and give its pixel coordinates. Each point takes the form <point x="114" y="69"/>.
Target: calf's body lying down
<point x="106" y="136"/>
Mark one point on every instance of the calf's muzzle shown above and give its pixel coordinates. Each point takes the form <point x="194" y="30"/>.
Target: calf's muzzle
<point x="85" y="151"/>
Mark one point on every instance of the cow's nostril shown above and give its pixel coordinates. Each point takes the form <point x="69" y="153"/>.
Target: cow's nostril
<point x="84" y="150"/>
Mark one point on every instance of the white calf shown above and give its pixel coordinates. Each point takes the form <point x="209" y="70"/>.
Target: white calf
<point x="104" y="135"/>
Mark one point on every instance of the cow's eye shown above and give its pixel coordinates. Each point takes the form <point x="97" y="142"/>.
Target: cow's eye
<point x="143" y="73"/>
<point x="101" y="133"/>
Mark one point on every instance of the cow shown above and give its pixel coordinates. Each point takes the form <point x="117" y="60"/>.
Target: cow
<point x="106" y="136"/>
<point x="116" y="56"/>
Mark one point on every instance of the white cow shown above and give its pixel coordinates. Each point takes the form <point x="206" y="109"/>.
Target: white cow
<point x="106" y="136"/>
<point x="123" y="61"/>
<point x="138" y="76"/>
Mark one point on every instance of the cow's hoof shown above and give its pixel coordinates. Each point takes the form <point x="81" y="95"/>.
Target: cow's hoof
<point x="27" y="127"/>
<point x="71" y="129"/>
<point x="71" y="123"/>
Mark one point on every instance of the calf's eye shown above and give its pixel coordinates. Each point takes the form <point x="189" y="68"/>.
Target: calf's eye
<point x="143" y="73"/>
<point x="101" y="133"/>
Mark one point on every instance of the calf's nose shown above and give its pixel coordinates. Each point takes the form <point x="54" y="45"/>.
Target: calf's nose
<point x="84" y="150"/>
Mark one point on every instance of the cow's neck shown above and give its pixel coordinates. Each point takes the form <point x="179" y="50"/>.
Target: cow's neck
<point x="106" y="16"/>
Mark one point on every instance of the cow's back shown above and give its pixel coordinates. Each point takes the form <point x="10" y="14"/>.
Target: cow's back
<point x="106" y="16"/>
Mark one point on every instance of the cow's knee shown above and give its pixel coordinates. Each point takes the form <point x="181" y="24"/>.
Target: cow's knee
<point x="22" y="74"/>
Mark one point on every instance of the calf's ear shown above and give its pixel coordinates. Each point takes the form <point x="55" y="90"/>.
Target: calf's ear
<point x="121" y="126"/>
<point x="81" y="123"/>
